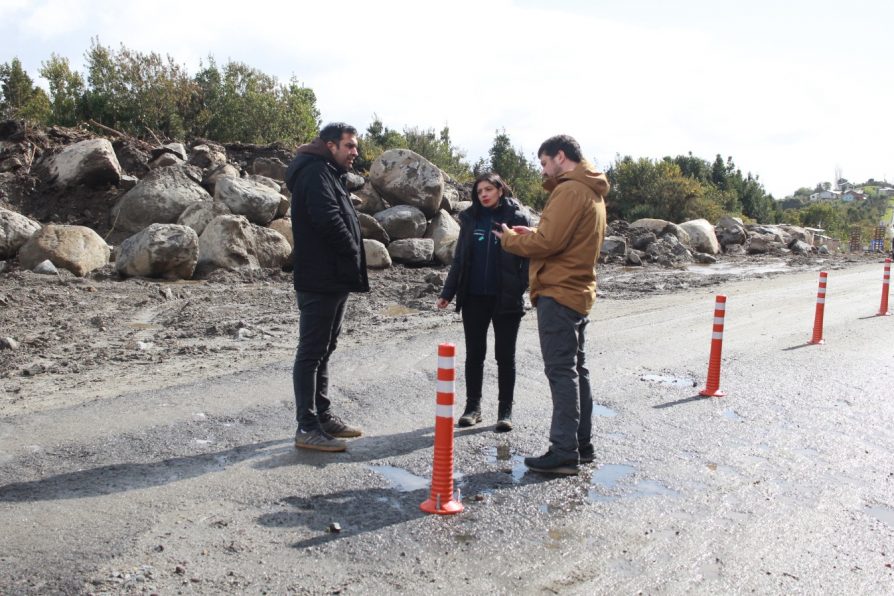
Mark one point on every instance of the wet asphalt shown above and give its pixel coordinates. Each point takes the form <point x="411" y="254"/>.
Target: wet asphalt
<point x="785" y="485"/>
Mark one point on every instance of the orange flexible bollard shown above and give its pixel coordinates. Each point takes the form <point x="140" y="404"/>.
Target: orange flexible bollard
<point x="886" y="283"/>
<point x="441" y="499"/>
<point x="820" y="308"/>
<point x="712" y="386"/>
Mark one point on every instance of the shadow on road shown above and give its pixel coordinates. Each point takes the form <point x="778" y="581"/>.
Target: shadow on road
<point x="369" y="510"/>
<point x="368" y="448"/>
<point x="679" y="402"/>
<point x="115" y="478"/>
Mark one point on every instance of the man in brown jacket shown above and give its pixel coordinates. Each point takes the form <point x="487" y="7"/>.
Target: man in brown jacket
<point x="563" y="250"/>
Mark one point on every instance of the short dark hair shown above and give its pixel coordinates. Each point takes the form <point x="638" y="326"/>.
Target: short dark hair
<point x="334" y="131"/>
<point x="494" y="179"/>
<point x="565" y="143"/>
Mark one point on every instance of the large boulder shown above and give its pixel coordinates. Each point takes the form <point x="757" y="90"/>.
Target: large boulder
<point x="701" y="236"/>
<point x="372" y="229"/>
<point x="198" y="215"/>
<point x="15" y="230"/>
<point x="798" y="233"/>
<point x="402" y="221"/>
<point x="371" y="201"/>
<point x="257" y="202"/>
<point x="377" y="256"/>
<point x="284" y="227"/>
<point x="413" y="251"/>
<point x="224" y="171"/>
<point x="76" y="248"/>
<point x="232" y="242"/>
<point x="160" y="197"/>
<point x="403" y="177"/>
<point x="443" y="230"/>
<point x="613" y="246"/>
<point x="730" y="230"/>
<point x="168" y="251"/>
<point x="661" y="227"/>
<point x="762" y="243"/>
<point x="91" y="163"/>
<point x="446" y="253"/>
<point x="207" y="157"/>
<point x="271" y="167"/>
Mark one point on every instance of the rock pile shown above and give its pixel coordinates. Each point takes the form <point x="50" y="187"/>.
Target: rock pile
<point x="177" y="212"/>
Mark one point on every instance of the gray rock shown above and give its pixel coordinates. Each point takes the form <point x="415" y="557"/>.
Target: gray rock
<point x="402" y="221"/>
<point x="160" y="197"/>
<point x="799" y="247"/>
<point x="443" y="230"/>
<point x="168" y="251"/>
<point x="633" y="259"/>
<point x="198" y="215"/>
<point x="701" y="236"/>
<point x="257" y="202"/>
<point x="403" y="177"/>
<point x="413" y="251"/>
<point x="15" y="230"/>
<point x="377" y="256"/>
<point x="354" y="181"/>
<point x="232" y="242"/>
<point x="45" y="268"/>
<point x="372" y="229"/>
<point x="446" y="253"/>
<point x="8" y="343"/>
<point x="224" y="171"/>
<point x="270" y="167"/>
<point x="371" y="201"/>
<point x="614" y="246"/>
<point x="704" y="258"/>
<point x="166" y="159"/>
<point x="207" y="158"/>
<point x="92" y="163"/>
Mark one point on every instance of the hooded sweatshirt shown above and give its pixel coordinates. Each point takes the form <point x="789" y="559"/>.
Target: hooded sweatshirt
<point x="565" y="246"/>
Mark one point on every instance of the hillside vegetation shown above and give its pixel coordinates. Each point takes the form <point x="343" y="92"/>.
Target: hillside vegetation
<point x="148" y="95"/>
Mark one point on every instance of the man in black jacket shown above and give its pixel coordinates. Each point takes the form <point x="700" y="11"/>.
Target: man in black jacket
<point x="329" y="263"/>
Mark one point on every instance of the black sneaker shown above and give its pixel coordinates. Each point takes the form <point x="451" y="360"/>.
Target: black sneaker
<point x="318" y="441"/>
<point x="337" y="427"/>
<point x="587" y="453"/>
<point x="470" y="417"/>
<point x="550" y="463"/>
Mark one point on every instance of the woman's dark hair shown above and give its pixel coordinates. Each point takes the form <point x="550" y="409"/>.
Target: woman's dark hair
<point x="494" y="179"/>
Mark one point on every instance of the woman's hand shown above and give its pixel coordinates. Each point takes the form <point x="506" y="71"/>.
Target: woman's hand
<point x="442" y="303"/>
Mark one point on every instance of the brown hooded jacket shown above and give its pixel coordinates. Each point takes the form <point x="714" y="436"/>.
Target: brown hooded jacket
<point x="565" y="246"/>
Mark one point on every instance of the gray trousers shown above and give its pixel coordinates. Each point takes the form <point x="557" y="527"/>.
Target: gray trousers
<point x="562" y="336"/>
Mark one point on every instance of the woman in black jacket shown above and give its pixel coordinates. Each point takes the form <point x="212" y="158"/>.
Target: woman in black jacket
<point x="489" y="285"/>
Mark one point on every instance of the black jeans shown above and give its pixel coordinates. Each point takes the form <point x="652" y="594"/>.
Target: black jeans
<point x="318" y="329"/>
<point x="478" y="314"/>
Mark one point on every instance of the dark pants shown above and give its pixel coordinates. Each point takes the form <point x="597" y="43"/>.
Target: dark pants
<point x="478" y="314"/>
<point x="562" y="336"/>
<point x="318" y="329"/>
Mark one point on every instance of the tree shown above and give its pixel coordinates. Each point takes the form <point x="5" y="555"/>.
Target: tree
<point x="21" y="99"/>
<point x="66" y="90"/>
<point x="511" y="164"/>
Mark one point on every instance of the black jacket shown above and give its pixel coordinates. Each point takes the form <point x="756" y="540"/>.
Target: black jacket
<point x="513" y="271"/>
<point x="328" y="254"/>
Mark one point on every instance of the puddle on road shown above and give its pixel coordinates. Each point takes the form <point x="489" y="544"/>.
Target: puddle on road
<point x="603" y="411"/>
<point x="400" y="479"/>
<point x="653" y="488"/>
<point x="669" y="380"/>
<point x="513" y="464"/>
<point x="398" y="310"/>
<point x="738" y="269"/>
<point x="608" y="475"/>
<point x="883" y="514"/>
<point x="730" y="414"/>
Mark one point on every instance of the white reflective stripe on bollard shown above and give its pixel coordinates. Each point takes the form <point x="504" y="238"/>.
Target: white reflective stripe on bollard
<point x="445" y="362"/>
<point x="445" y="386"/>
<point x="444" y="411"/>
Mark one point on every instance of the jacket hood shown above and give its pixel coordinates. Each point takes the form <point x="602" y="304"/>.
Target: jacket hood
<point x="309" y="152"/>
<point x="586" y="174"/>
<point x="506" y="205"/>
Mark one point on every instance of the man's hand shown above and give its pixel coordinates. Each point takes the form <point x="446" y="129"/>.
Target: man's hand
<point x="442" y="303"/>
<point x="522" y="230"/>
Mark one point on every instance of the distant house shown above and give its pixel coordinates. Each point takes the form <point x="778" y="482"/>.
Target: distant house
<point x="853" y="195"/>
<point x="886" y="191"/>
<point x="825" y="195"/>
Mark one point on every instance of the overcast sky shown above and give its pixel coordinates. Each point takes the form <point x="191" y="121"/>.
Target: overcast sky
<point x="791" y="89"/>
